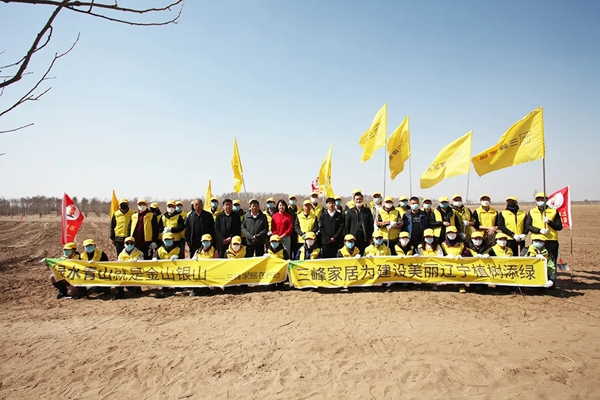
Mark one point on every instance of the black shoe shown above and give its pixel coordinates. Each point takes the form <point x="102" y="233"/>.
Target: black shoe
<point x="60" y="295"/>
<point x="120" y="295"/>
<point x="194" y="293"/>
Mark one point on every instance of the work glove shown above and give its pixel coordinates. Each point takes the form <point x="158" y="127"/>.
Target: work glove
<point x="485" y="256"/>
<point x="517" y="237"/>
<point x="167" y="230"/>
<point x="463" y="236"/>
<point x="91" y="261"/>
<point x="544" y="231"/>
<point x="458" y="257"/>
<point x="154" y="259"/>
<point x="194" y="258"/>
<point x="479" y="255"/>
<point x="266" y="255"/>
<point x="540" y="256"/>
<point x="357" y="256"/>
<point x="466" y="223"/>
<point x="173" y="258"/>
<point x="153" y="246"/>
<point x="269" y="233"/>
<point x="546" y="220"/>
<point x="133" y="260"/>
<point x="522" y="237"/>
<point x="303" y="235"/>
<point x="369" y="256"/>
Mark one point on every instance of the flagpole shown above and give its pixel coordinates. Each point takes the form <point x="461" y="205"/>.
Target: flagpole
<point x="544" y="184"/>
<point x="410" y="174"/>
<point x="468" y="179"/>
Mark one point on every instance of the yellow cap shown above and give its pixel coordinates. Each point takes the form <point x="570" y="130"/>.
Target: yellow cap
<point x="142" y="201"/>
<point x="251" y="200"/>
<point x="349" y="237"/>
<point x="167" y="235"/>
<point x="154" y="205"/>
<point x="306" y="202"/>
<point x="356" y="191"/>
<point x="403" y="198"/>
<point x="388" y="199"/>
<point x="513" y="198"/>
<point x="310" y="235"/>
<point x="292" y="196"/>
<point x="88" y="242"/>
<point x="451" y="229"/>
<point x="485" y="195"/>
<point x="456" y="195"/>
<point x="501" y="235"/>
<point x="270" y="199"/>
<point x="236" y="240"/>
<point x="70" y="246"/>
<point x="214" y="198"/>
<point x="377" y="233"/>
<point x="477" y="234"/>
<point x="206" y="236"/>
<point x="537" y="236"/>
<point x="171" y="203"/>
<point x="540" y="194"/>
<point x="377" y="194"/>
<point x="428" y="232"/>
<point x="129" y="239"/>
<point x="275" y="238"/>
<point x="444" y="198"/>
<point x="426" y="199"/>
<point x="404" y="234"/>
<point x="314" y="194"/>
<point x="180" y="203"/>
<point x="337" y="198"/>
<point x="237" y="201"/>
<point x="123" y="201"/>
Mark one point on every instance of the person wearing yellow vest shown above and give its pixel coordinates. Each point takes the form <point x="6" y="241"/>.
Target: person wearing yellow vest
<point x="511" y="222"/>
<point x="317" y="208"/>
<point x="465" y="216"/>
<point x="179" y="209"/>
<point x="214" y="207"/>
<point x="130" y="254"/>
<point x="349" y="249"/>
<point x="155" y="209"/>
<point x="168" y="251"/>
<point x="59" y="282"/>
<point x="235" y="249"/>
<point x="269" y="212"/>
<point x="144" y="228"/>
<point x="378" y="247"/>
<point x="206" y="251"/>
<point x="389" y="221"/>
<point x="119" y="224"/>
<point x="477" y="246"/>
<point x="173" y="222"/>
<point x="501" y="249"/>
<point x="404" y="248"/>
<point x="546" y="221"/>
<point x="403" y="206"/>
<point x="453" y="246"/>
<point x="309" y="250"/>
<point x="92" y="255"/>
<point x="429" y="247"/>
<point x="485" y="219"/>
<point x="376" y="203"/>
<point x="276" y="249"/>
<point x="538" y="249"/>
<point x="305" y="222"/>
<point x="443" y="218"/>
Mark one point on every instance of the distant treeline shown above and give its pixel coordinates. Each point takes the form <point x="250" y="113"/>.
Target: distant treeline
<point x="43" y="205"/>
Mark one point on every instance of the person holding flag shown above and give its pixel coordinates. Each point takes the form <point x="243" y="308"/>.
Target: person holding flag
<point x="119" y="223"/>
<point x="544" y="220"/>
<point x="465" y="217"/>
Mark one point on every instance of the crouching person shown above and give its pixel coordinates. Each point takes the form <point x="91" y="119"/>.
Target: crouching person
<point x="309" y="249"/>
<point x="404" y="248"/>
<point x="69" y="253"/>
<point x="207" y="250"/>
<point x="92" y="255"/>
<point x="349" y="249"/>
<point x="130" y="253"/>
<point x="538" y="249"/>
<point x="276" y="250"/>
<point x="168" y="251"/>
<point x="235" y="249"/>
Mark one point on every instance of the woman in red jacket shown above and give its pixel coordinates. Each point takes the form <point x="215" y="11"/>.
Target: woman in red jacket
<point x="282" y="224"/>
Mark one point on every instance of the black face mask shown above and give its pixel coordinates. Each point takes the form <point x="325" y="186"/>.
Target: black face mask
<point x="124" y="208"/>
<point x="512" y="206"/>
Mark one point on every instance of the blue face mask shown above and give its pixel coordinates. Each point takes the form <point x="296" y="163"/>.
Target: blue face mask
<point x="206" y="244"/>
<point x="538" y="244"/>
<point x="350" y="245"/>
<point x="168" y="242"/>
<point x="338" y="202"/>
<point x="414" y="206"/>
<point x="67" y="253"/>
<point x="214" y="204"/>
<point x="377" y="200"/>
<point x="271" y="205"/>
<point x="403" y="203"/>
<point x="427" y="206"/>
<point x="90" y="249"/>
<point x="540" y="203"/>
<point x="292" y="202"/>
<point x="129" y="247"/>
<point x="275" y="244"/>
<point x="236" y="208"/>
<point x="378" y="241"/>
<point x="444" y="205"/>
<point x="178" y="208"/>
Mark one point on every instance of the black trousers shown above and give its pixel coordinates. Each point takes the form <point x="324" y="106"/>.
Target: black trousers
<point x="330" y="250"/>
<point x="392" y="245"/>
<point x="182" y="249"/>
<point x="552" y="247"/>
<point x="255" y="250"/>
<point x="514" y="246"/>
<point x="361" y="242"/>
<point x="119" y="247"/>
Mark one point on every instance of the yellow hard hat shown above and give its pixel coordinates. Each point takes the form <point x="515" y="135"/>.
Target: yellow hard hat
<point x="349" y="237"/>
<point x="236" y="240"/>
<point x="70" y="246"/>
<point x="206" y="236"/>
<point x="310" y="235"/>
<point x="275" y="238"/>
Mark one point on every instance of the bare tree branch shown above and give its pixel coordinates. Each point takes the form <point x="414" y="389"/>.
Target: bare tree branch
<point x="16" y="129"/>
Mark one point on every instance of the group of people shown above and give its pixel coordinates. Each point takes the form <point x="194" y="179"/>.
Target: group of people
<point x="289" y="231"/>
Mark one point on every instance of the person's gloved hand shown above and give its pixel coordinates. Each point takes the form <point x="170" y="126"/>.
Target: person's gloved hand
<point x="546" y="220"/>
<point x="266" y="255"/>
<point x="194" y="258"/>
<point x="357" y="256"/>
<point x="369" y="256"/>
<point x="517" y="237"/>
<point x="458" y="257"/>
<point x="167" y="230"/>
<point x="269" y="233"/>
<point x="463" y="236"/>
<point x="153" y="246"/>
<point x="91" y="261"/>
<point x="485" y="256"/>
<point x="479" y="255"/>
<point x="303" y="235"/>
<point x="544" y="231"/>
<point x="540" y="256"/>
<point x="133" y="260"/>
<point x="173" y="258"/>
<point x="155" y="259"/>
<point x="466" y="223"/>
<point x="522" y="237"/>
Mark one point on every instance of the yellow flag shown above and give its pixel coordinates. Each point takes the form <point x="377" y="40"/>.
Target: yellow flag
<point x="399" y="148"/>
<point x="114" y="204"/>
<point x="453" y="160"/>
<point x="325" y="176"/>
<point x="236" y="165"/>
<point x="374" y="137"/>
<point x="522" y="142"/>
<point x="208" y="196"/>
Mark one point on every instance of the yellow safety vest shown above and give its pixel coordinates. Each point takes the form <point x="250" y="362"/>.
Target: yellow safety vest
<point x="345" y="253"/>
<point x="147" y="225"/>
<point x="455" y="250"/>
<point x="269" y="218"/>
<point x="487" y="218"/>
<point x="217" y="212"/>
<point x="374" y="250"/>
<point x="313" y="254"/>
<point x="232" y="254"/>
<point x="537" y="221"/>
<point x="277" y="254"/>
<point x="463" y="215"/>
<point x="97" y="255"/>
<point x="401" y="252"/>
<point x="438" y="217"/>
<point x="183" y="214"/>
<point x="122" y="222"/>
<point x="507" y="252"/>
<point x="474" y="252"/>
<point x="394" y="216"/>
<point x="135" y="254"/>
<point x="171" y="222"/>
<point x="318" y="210"/>
<point x="74" y="256"/>
<point x="163" y="254"/>
<point x="203" y="253"/>
<point x="307" y="223"/>
<point x="429" y="250"/>
<point x="514" y="222"/>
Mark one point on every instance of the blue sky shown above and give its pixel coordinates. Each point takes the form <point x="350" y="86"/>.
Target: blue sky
<point x="153" y="111"/>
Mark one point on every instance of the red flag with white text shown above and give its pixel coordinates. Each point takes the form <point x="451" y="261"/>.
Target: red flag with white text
<point x="561" y="202"/>
<point x="71" y="219"/>
<point x="314" y="186"/>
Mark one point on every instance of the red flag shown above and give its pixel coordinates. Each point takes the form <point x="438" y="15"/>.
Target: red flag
<point x="314" y="186"/>
<point x="561" y="202"/>
<point x="70" y="220"/>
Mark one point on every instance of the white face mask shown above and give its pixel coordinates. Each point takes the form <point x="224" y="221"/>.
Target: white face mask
<point x="502" y="243"/>
<point x="477" y="242"/>
<point x="458" y="204"/>
<point x="142" y="208"/>
<point x="171" y="210"/>
<point x="388" y="206"/>
<point x="429" y="240"/>
<point x="314" y="200"/>
<point x="404" y="242"/>
<point x="236" y="247"/>
<point x="358" y="203"/>
<point x="310" y="242"/>
<point x="485" y="203"/>
<point x="451" y="236"/>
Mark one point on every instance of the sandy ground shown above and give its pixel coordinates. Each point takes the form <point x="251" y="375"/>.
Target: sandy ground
<point x="407" y="344"/>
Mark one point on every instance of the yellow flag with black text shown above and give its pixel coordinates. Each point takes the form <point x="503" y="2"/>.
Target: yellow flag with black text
<point x="453" y="160"/>
<point x="374" y="137"/>
<point x="208" y="196"/>
<point x="114" y="204"/>
<point x="325" y="176"/>
<point x="236" y="165"/>
<point x="398" y="148"/>
<point x="521" y="143"/>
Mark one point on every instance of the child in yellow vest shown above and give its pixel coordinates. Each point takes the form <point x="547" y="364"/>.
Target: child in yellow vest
<point x="235" y="249"/>
<point x="349" y="249"/>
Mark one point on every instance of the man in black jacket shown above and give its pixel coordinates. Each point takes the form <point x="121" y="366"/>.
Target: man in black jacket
<point x="359" y="222"/>
<point x="255" y="227"/>
<point x="227" y="225"/>
<point x="198" y="223"/>
<point x="331" y="227"/>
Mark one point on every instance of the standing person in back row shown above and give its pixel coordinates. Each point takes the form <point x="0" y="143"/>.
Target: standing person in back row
<point x="444" y="217"/>
<point x="415" y="222"/>
<point x="282" y="225"/>
<point x="331" y="228"/>
<point x="173" y="222"/>
<point x="485" y="220"/>
<point x="255" y="227"/>
<point x="227" y="225"/>
<point x="119" y="223"/>
<point x="144" y="228"/>
<point x="198" y="223"/>
<point x="465" y="217"/>
<point x="511" y="222"/>
<point x="545" y="221"/>
<point x="359" y="222"/>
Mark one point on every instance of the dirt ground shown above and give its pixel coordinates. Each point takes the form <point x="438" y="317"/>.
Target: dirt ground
<point x="406" y="344"/>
